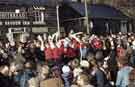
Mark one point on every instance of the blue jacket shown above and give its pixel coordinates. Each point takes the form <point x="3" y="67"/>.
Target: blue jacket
<point x="23" y="78"/>
<point x="123" y="76"/>
<point x="101" y="79"/>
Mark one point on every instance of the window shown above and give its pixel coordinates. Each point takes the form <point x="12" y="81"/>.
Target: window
<point x="38" y="17"/>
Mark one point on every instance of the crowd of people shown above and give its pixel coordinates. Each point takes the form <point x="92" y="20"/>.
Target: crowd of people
<point x="73" y="60"/>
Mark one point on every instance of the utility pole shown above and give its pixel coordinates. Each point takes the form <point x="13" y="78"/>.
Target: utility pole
<point x="86" y="17"/>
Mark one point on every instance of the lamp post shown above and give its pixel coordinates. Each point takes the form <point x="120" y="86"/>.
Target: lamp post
<point x="58" y="22"/>
<point x="86" y="16"/>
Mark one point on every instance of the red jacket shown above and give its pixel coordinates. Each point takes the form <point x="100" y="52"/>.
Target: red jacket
<point x="61" y="50"/>
<point x="48" y="53"/>
<point x="69" y="52"/>
<point x="56" y="53"/>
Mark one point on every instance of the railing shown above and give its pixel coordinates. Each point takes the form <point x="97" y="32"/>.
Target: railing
<point x="13" y="15"/>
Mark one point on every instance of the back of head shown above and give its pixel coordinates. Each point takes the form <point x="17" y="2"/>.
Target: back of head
<point x="99" y="55"/>
<point x="29" y="65"/>
<point x="83" y="79"/>
<point x="75" y="63"/>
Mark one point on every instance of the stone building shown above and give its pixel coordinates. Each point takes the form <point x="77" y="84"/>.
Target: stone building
<point x="29" y="17"/>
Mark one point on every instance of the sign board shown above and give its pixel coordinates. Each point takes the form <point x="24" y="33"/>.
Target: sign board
<point x="16" y="22"/>
<point x="39" y="29"/>
<point x="39" y="8"/>
<point x="17" y="30"/>
<point x="12" y="22"/>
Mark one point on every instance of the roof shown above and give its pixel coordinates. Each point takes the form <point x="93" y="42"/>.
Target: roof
<point x="98" y="11"/>
<point x="27" y="2"/>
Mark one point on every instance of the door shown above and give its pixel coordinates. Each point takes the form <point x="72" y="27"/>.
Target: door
<point x="16" y="36"/>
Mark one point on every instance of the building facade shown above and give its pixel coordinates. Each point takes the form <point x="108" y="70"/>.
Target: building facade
<point x="103" y="19"/>
<point x="39" y="16"/>
<point x="27" y="20"/>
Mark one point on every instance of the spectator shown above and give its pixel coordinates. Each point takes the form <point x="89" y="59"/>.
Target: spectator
<point x="54" y="81"/>
<point x="83" y="80"/>
<point x="69" y="62"/>
<point x="5" y="80"/>
<point x="67" y="76"/>
<point x="132" y="78"/>
<point x="123" y="73"/>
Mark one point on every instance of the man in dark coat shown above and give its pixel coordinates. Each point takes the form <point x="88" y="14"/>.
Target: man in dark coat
<point x="5" y="80"/>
